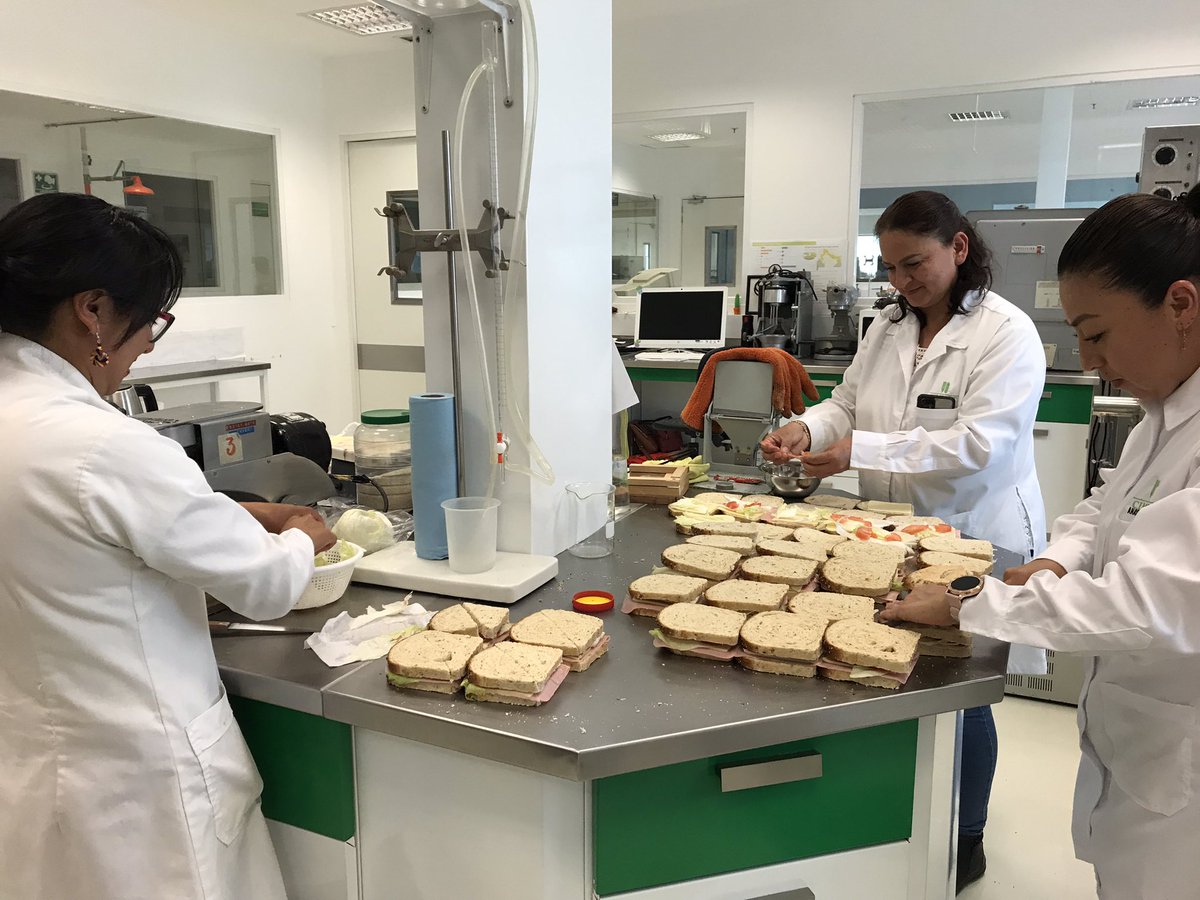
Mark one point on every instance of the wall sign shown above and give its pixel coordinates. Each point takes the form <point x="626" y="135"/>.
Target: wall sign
<point x="45" y="182"/>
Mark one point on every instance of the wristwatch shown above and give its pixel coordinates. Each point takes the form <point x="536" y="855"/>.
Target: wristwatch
<point x="959" y="590"/>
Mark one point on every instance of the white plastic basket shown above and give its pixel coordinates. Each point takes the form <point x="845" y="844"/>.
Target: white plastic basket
<point x="330" y="581"/>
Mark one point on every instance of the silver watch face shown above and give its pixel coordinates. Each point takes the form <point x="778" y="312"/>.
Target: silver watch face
<point x="966" y="583"/>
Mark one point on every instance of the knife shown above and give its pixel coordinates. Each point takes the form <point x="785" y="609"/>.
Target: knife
<point x="232" y="629"/>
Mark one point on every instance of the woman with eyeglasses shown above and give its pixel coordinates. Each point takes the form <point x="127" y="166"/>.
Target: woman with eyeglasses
<point x="122" y="772"/>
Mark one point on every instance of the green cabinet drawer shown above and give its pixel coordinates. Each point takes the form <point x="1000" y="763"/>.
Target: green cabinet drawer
<point x="649" y="373"/>
<point x="307" y="766"/>
<point x="1068" y="403"/>
<point x="674" y="823"/>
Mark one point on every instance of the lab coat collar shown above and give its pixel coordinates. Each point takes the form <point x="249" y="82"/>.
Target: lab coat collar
<point x="955" y="333"/>
<point x="1183" y="403"/>
<point x="34" y="357"/>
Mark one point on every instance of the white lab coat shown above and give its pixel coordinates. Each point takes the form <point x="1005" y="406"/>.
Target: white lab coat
<point x="122" y="772"/>
<point x="1131" y="597"/>
<point x="972" y="466"/>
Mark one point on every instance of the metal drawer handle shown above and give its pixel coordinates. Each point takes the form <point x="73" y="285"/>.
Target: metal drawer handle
<point x="1041" y="432"/>
<point x="805" y="767"/>
<point x="825" y="383"/>
<point x="1045" y="395"/>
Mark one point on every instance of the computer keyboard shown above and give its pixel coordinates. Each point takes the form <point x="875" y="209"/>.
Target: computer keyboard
<point x="669" y="356"/>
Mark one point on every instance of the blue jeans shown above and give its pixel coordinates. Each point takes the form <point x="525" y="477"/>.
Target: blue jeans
<point x="979" y="747"/>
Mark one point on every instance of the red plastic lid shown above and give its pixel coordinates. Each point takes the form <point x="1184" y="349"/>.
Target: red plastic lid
<point x="592" y="601"/>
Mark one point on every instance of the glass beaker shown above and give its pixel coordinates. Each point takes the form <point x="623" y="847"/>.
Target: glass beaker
<point x="593" y="518"/>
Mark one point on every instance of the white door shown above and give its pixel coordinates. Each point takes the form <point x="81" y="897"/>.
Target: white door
<point x="389" y="323"/>
<point x="696" y="237"/>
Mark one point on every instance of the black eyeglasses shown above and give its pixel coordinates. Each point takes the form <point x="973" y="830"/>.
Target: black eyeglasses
<point x="159" y="326"/>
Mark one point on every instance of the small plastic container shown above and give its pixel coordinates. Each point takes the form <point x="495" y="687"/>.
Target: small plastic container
<point x="383" y="452"/>
<point x="471" y="528"/>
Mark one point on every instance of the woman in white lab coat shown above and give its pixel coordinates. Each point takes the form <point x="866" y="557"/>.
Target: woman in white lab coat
<point x="1120" y="580"/>
<point x="952" y="344"/>
<point x="122" y="772"/>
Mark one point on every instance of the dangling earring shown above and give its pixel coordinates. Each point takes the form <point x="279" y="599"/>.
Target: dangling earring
<point x="1183" y="336"/>
<point x="99" y="355"/>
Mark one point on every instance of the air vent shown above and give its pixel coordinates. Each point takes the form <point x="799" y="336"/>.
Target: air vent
<point x="982" y="115"/>
<point x="1163" y="102"/>
<point x="366" y="18"/>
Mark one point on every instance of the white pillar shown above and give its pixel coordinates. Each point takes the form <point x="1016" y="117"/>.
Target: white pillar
<point x="1055" y="150"/>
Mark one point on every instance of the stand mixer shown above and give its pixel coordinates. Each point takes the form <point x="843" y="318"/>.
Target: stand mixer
<point x="842" y="341"/>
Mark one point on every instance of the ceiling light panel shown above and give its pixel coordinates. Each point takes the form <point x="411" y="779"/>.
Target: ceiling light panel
<point x="982" y="115"/>
<point x="366" y="18"/>
<point x="675" y="137"/>
<point x="1163" y="102"/>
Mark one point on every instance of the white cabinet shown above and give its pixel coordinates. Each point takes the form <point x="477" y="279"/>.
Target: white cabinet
<point x="1060" y="452"/>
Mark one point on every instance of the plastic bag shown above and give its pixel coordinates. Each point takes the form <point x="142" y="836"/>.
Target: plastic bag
<point x="370" y="529"/>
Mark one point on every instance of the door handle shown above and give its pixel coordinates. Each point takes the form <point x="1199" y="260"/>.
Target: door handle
<point x="824" y="383"/>
<point x="1041" y="432"/>
<point x="805" y="767"/>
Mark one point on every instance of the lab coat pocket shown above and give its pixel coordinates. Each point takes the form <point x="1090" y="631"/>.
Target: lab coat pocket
<point x="1151" y="747"/>
<point x="230" y="776"/>
<point x="936" y="419"/>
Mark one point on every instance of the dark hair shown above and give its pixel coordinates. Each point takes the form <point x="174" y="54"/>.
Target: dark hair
<point x="54" y="246"/>
<point x="1139" y="243"/>
<point x="934" y="215"/>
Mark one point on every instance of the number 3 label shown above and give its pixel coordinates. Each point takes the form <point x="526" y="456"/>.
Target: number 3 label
<point x="231" y="448"/>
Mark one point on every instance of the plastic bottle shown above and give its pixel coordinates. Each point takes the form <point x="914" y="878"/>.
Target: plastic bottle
<point x="382" y="451"/>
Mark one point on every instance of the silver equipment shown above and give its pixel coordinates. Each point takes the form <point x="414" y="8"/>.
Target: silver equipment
<point x="741" y="408"/>
<point x="841" y="342"/>
<point x="1025" y="245"/>
<point x="1170" y="154"/>
<point x="785" y="310"/>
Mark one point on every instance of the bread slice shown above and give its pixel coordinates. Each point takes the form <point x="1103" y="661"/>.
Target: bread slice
<point x="942" y="575"/>
<point x="817" y="540"/>
<point x="710" y="624"/>
<point x="901" y="521"/>
<point x="796" y="514"/>
<point x="852" y="576"/>
<point x="881" y="680"/>
<point x="668" y="588"/>
<point x="973" y="566"/>
<point x="784" y="636"/>
<point x="780" y="569"/>
<point x="571" y="632"/>
<point x="431" y="660"/>
<point x="832" y="501"/>
<point x="727" y="526"/>
<point x="743" y="546"/>
<point x="712" y="563"/>
<point x="832" y="607"/>
<point x="805" y="549"/>
<point x="746" y="596"/>
<point x="870" y="552"/>
<point x="962" y="546"/>
<point x="486" y="622"/>
<point x="777" y="666"/>
<point x="886" y="507"/>
<point x="772" y="532"/>
<point x="715" y="498"/>
<point x="770" y="501"/>
<point x="512" y="666"/>
<point x="454" y="620"/>
<point x="871" y="645"/>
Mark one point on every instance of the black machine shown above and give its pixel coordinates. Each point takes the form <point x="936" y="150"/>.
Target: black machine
<point x="779" y="311"/>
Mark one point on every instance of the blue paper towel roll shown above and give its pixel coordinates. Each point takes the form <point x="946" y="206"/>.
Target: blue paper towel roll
<point x="434" y="469"/>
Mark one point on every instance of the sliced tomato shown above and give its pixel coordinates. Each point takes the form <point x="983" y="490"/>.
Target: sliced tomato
<point x="893" y="537"/>
<point x="732" y="504"/>
<point x="914" y="529"/>
<point x="865" y="533"/>
<point x="943" y="529"/>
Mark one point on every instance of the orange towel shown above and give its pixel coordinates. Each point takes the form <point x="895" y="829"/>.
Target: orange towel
<point x="790" y="385"/>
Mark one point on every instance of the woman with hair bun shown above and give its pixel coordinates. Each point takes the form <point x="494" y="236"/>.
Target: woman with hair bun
<point x="937" y="409"/>
<point x="1120" y="579"/>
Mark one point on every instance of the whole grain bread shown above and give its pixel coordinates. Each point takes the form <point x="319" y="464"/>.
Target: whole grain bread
<point x="875" y="552"/>
<point x="777" y="666"/>
<point x="454" y="620"/>
<point x="772" y="532"/>
<point x="727" y="526"/>
<point x="814" y="550"/>
<point x="973" y="566"/>
<point x="832" y="501"/>
<point x="710" y="624"/>
<point x="784" y="635"/>
<point x="571" y="632"/>
<point x="977" y="549"/>
<point x="432" y="654"/>
<point x="512" y="666"/>
<point x="861" y="578"/>
<point x="668" y="588"/>
<point x="712" y="563"/>
<point x="743" y="546"/>
<point x="869" y="644"/>
<point x="780" y="569"/>
<point x="942" y="575"/>
<point x="886" y="507"/>
<point x="746" y="596"/>
<point x="832" y="607"/>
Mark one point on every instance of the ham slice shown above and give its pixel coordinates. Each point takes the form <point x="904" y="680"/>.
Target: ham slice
<point x="588" y="656"/>
<point x="707" y="651"/>
<point x="542" y="696"/>
<point x="630" y="606"/>
<point x="854" y="672"/>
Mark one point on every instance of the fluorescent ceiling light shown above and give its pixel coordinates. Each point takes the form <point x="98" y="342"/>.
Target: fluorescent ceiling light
<point x="366" y="18"/>
<point x="1163" y="102"/>
<point x="674" y="137"/>
<point x="111" y="109"/>
<point x="982" y="115"/>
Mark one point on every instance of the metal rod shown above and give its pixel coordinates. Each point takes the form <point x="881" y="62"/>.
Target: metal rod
<point x="452" y="291"/>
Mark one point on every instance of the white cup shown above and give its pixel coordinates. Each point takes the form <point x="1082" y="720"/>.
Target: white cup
<point x="471" y="524"/>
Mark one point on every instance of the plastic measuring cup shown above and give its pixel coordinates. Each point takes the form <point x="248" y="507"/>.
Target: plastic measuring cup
<point x="471" y="533"/>
<point x="593" y="518"/>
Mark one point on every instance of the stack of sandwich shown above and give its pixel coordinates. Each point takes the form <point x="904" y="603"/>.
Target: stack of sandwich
<point x="865" y="569"/>
<point x="782" y="643"/>
<point x="580" y="639"/>
<point x="709" y="632"/>
<point x="431" y="661"/>
<point x="474" y="619"/>
<point x="868" y="653"/>
<point x="517" y="674"/>
<point x="941" y="560"/>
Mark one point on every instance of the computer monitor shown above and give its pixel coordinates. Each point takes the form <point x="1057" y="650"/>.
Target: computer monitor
<point x="691" y="318"/>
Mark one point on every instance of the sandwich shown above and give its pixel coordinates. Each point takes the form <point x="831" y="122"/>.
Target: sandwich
<point x="963" y="547"/>
<point x="816" y="538"/>
<point x="431" y="661"/>
<point x="688" y="629"/>
<point x="580" y="637"/>
<point x="917" y="531"/>
<point x="973" y="566"/>
<point x="870" y="551"/>
<point x="862" y="516"/>
<point x="772" y="532"/>
<point x="887" y="508"/>
<point x="723" y="525"/>
<point x="863" y="578"/>
<point x="868" y="653"/>
<point x="519" y="674"/>
<point x="901" y="521"/>
<point x="937" y="640"/>
<point x="942" y="575"/>
<point x="746" y="596"/>
<point x="747" y="509"/>
<point x="694" y="506"/>
<point x="474" y="619"/>
<point x="832" y="501"/>
<point x="782" y="643"/>
<point x="687" y="524"/>
<point x="713" y="498"/>
<point x="712" y="563"/>
<point x="743" y="546"/>
<point x="650" y="593"/>
<point x="832" y="607"/>
<point x="780" y="569"/>
<point x="795" y="515"/>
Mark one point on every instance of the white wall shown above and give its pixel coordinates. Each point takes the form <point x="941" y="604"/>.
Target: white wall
<point x="693" y="53"/>
<point x="223" y="76"/>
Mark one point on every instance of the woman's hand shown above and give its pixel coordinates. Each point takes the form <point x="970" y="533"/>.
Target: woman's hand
<point x="314" y="526"/>
<point x="926" y="604"/>
<point x="786" y="444"/>
<point x="274" y="517"/>
<point x="1021" y="574"/>
<point x="834" y="459"/>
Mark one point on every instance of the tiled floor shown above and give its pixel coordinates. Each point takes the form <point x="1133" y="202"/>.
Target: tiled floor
<point x="1028" y="838"/>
